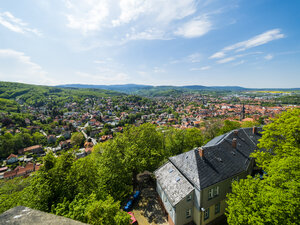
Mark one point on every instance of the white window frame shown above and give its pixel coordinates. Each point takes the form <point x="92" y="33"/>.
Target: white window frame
<point x="216" y="191"/>
<point x="213" y="192"/>
<point x="188" y="213"/>
<point x="206" y="214"/>
<point x="210" y="193"/>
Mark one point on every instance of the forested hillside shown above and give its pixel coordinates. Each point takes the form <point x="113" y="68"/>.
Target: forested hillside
<point x="36" y="95"/>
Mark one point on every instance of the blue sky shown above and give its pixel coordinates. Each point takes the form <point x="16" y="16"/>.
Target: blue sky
<point x="159" y="42"/>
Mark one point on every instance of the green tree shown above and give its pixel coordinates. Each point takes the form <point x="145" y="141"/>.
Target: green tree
<point x="229" y="126"/>
<point x="275" y="199"/>
<point x="77" y="138"/>
<point x="39" y="139"/>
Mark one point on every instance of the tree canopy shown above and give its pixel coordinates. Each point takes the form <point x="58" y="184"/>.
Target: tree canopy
<point x="275" y="199"/>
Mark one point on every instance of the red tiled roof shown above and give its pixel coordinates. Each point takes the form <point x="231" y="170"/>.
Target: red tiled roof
<point x="3" y="169"/>
<point x="21" y="171"/>
<point x="32" y="148"/>
<point x="12" y="156"/>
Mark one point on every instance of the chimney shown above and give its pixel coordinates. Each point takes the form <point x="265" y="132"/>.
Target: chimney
<point x="236" y="132"/>
<point x="254" y="130"/>
<point x="234" y="142"/>
<point x="201" y="152"/>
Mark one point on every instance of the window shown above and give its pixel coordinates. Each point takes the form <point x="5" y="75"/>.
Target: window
<point x="213" y="192"/>
<point x="206" y="214"/>
<point x="210" y="193"/>
<point x="217" y="208"/>
<point x="189" y="198"/>
<point x="188" y="213"/>
<point x="216" y="191"/>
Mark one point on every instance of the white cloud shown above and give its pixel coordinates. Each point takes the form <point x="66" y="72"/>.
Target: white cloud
<point x="162" y="11"/>
<point x="269" y="57"/>
<point x="148" y="34"/>
<point x="201" y="68"/>
<point x="255" y="41"/>
<point x="239" y="63"/>
<point x="17" y="67"/>
<point x="194" y="28"/>
<point x="205" y="68"/>
<point x="217" y="55"/>
<point x="232" y="58"/>
<point x="87" y="15"/>
<point x="258" y="40"/>
<point x="194" y="58"/>
<point x="226" y="60"/>
<point x="137" y="19"/>
<point x="15" y="24"/>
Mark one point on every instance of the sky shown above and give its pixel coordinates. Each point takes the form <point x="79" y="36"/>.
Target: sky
<point x="253" y="44"/>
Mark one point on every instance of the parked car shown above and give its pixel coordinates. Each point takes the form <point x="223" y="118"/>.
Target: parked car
<point x="129" y="204"/>
<point x="136" y="195"/>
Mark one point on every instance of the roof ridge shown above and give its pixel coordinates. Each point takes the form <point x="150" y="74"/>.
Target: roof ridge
<point x="185" y="176"/>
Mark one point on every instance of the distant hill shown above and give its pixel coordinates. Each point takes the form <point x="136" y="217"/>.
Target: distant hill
<point x="37" y="95"/>
<point x="126" y="88"/>
<point x="148" y="90"/>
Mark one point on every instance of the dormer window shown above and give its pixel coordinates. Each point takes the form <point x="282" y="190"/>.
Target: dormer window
<point x="189" y="198"/>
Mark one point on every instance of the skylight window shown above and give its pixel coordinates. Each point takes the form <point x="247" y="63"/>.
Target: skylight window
<point x="171" y="170"/>
<point x="177" y="179"/>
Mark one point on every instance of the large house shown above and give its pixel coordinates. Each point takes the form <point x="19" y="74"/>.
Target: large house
<point x="36" y="149"/>
<point x="192" y="186"/>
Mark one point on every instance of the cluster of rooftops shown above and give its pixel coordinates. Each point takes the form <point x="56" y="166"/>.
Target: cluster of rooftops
<point x="221" y="158"/>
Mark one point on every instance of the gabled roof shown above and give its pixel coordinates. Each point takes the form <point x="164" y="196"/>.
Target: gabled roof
<point x="12" y="156"/>
<point x="174" y="184"/>
<point x="221" y="161"/>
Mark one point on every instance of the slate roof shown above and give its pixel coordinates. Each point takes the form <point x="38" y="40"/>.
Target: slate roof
<point x="174" y="184"/>
<point x="21" y="215"/>
<point x="221" y="161"/>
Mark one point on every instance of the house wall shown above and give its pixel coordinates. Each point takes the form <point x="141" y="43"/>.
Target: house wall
<point x="170" y="209"/>
<point x="196" y="216"/>
<point x="224" y="188"/>
<point x="197" y="199"/>
<point x="212" y="215"/>
<point x="181" y="209"/>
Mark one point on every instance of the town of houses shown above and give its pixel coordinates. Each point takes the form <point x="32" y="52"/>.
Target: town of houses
<point x="100" y="119"/>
